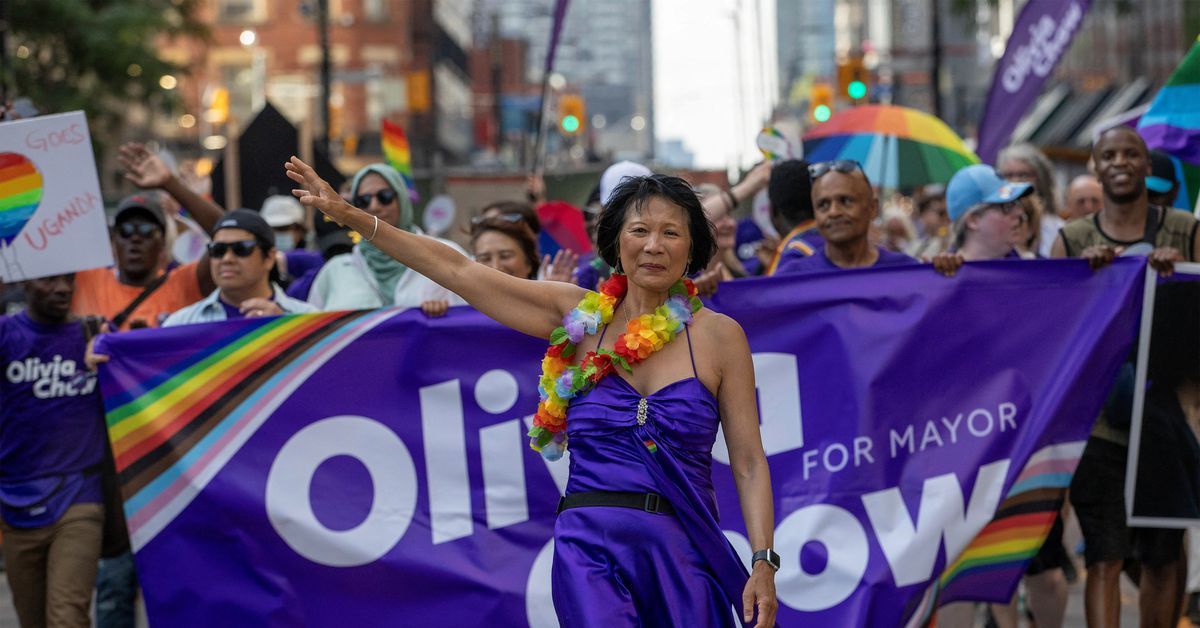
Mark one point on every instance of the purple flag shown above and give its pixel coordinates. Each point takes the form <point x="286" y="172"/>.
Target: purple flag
<point x="1040" y="37"/>
<point x="371" y="468"/>
<point x="560" y="16"/>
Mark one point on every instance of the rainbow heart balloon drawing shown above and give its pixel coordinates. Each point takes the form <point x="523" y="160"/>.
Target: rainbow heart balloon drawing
<point x="20" y="194"/>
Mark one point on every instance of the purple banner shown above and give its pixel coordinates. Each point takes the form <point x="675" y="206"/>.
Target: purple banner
<point x="371" y="468"/>
<point x="1040" y="37"/>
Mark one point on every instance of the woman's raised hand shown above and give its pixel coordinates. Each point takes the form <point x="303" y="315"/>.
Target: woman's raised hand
<point x="315" y="192"/>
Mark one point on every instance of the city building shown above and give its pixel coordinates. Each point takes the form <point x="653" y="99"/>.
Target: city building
<point x="604" y="53"/>
<point x="401" y="59"/>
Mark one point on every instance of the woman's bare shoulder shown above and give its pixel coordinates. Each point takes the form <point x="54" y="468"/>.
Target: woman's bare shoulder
<point x="718" y="328"/>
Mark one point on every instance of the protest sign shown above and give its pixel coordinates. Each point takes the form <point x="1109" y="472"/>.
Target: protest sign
<point x="51" y="213"/>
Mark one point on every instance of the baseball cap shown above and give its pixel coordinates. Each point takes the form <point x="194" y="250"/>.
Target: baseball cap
<point x="615" y="173"/>
<point x="249" y="221"/>
<point x="332" y="239"/>
<point x="1162" y="173"/>
<point x="282" y="211"/>
<point x="977" y="184"/>
<point x="143" y="203"/>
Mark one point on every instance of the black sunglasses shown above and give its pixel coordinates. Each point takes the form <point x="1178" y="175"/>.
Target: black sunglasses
<point x="844" y="166"/>
<point x="240" y="248"/>
<point x="513" y="218"/>
<point x="384" y="196"/>
<point x="145" y="229"/>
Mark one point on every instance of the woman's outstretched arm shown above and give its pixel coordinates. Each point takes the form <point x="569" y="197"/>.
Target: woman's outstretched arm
<point x="531" y="307"/>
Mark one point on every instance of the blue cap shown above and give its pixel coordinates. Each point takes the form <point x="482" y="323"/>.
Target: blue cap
<point x="980" y="184"/>
<point x="1162" y="173"/>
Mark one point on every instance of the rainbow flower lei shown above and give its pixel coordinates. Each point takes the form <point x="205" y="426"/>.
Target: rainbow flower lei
<point x="562" y="379"/>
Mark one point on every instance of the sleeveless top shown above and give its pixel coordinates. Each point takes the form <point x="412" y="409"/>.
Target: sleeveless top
<point x="1164" y="227"/>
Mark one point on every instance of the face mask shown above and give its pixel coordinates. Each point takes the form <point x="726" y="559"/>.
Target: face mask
<point x="285" y="241"/>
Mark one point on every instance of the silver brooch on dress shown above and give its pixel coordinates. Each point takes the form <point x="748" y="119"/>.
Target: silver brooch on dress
<point x="641" y="412"/>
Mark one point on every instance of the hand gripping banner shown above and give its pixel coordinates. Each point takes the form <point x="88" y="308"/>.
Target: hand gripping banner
<point x="371" y="468"/>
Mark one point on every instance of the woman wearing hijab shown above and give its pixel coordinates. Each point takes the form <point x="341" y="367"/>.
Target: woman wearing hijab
<point x="368" y="278"/>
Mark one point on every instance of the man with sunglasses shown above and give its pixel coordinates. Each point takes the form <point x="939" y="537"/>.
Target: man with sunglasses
<point x="241" y="257"/>
<point x="140" y="243"/>
<point x="844" y="205"/>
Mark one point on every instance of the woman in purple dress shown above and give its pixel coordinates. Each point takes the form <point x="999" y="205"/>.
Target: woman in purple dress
<point x="636" y="540"/>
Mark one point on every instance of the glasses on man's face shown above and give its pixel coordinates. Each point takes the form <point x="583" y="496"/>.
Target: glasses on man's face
<point x="240" y="248"/>
<point x="513" y="218"/>
<point x="844" y="166"/>
<point x="384" y="196"/>
<point x="129" y="229"/>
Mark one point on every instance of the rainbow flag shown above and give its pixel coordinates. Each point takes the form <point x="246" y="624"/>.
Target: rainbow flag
<point x="20" y="193"/>
<point x="395" y="150"/>
<point x="174" y="426"/>
<point x="1172" y="124"/>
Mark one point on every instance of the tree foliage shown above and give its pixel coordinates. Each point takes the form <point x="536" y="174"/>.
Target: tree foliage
<point x="94" y="55"/>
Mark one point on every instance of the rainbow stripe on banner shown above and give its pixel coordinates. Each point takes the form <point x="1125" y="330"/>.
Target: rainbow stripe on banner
<point x="397" y="153"/>
<point x="999" y="553"/>
<point x="991" y="566"/>
<point x="173" y="430"/>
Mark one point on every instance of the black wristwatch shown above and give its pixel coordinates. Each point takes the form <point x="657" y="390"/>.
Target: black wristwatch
<point x="768" y="555"/>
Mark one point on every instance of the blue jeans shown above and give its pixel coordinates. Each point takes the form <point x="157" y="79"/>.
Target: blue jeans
<point x="116" y="592"/>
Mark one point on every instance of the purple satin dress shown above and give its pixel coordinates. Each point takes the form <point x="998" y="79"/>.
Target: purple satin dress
<point x="623" y="567"/>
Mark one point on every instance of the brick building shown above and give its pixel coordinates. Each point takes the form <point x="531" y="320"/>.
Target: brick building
<point x="401" y="59"/>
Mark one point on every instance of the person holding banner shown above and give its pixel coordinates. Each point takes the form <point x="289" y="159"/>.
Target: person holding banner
<point x="51" y="497"/>
<point x="636" y="540"/>
<point x="844" y="205"/>
<point x="1126" y="220"/>
<point x="988" y="219"/>
<point x="369" y="278"/>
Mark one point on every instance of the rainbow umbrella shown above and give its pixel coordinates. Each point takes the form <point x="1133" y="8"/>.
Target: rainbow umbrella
<point x="898" y="147"/>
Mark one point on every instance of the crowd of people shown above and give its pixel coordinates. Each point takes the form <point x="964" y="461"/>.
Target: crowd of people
<point x="59" y="545"/>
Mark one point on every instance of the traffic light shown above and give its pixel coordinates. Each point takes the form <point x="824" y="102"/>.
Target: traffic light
<point x="820" y="102"/>
<point x="571" y="114"/>
<point x="853" y="78"/>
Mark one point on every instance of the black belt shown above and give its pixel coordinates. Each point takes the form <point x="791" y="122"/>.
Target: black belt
<point x="649" y="502"/>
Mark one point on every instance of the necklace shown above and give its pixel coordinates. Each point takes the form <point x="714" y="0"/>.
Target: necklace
<point x="562" y="379"/>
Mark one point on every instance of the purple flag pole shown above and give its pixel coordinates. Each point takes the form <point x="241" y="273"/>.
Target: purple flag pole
<point x="560" y="16"/>
<point x="1042" y="34"/>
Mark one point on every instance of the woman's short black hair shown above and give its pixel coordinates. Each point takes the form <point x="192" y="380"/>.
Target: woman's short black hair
<point x="632" y="193"/>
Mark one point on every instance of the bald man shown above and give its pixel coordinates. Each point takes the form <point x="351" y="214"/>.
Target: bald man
<point x="1097" y="490"/>
<point x="844" y="205"/>
<point x="1085" y="197"/>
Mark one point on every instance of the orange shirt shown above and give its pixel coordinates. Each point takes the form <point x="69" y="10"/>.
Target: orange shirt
<point x="99" y="292"/>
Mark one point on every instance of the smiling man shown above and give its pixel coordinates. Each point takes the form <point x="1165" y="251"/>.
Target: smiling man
<point x="241" y="258"/>
<point x="844" y="205"/>
<point x="1127" y="217"/>
<point x="1097" y="489"/>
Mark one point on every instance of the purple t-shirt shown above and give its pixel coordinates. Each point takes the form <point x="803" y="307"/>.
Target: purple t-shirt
<point x="300" y="262"/>
<point x="232" y="312"/>
<point x="51" y="416"/>
<point x="818" y="262"/>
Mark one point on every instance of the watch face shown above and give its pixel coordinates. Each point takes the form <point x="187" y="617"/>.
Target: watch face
<point x="768" y="555"/>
